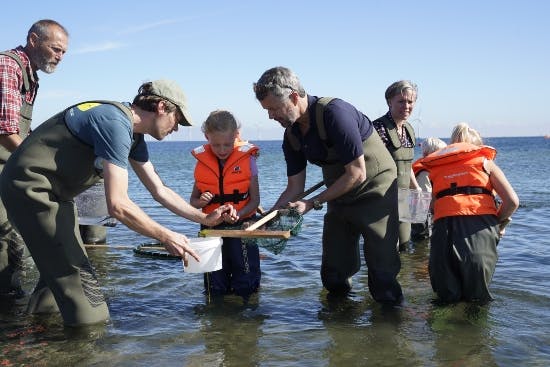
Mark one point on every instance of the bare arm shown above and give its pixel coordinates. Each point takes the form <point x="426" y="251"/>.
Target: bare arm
<point x="414" y="183"/>
<point x="174" y="202"/>
<point x="504" y="189"/>
<point x="354" y="174"/>
<point x="126" y="211"/>
<point x="10" y="142"/>
<point x="295" y="185"/>
<point x="423" y="181"/>
<point x="254" y="194"/>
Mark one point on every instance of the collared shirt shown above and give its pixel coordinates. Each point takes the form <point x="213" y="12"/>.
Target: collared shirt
<point x="404" y="137"/>
<point x="11" y="83"/>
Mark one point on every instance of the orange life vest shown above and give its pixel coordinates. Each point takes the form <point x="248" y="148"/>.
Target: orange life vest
<point x="232" y="185"/>
<point x="459" y="182"/>
<point x="418" y="166"/>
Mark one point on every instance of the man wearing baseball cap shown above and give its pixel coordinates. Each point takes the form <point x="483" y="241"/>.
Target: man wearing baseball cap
<point x="69" y="153"/>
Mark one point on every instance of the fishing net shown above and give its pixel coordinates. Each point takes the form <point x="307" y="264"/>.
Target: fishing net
<point x="286" y="220"/>
<point x="154" y="250"/>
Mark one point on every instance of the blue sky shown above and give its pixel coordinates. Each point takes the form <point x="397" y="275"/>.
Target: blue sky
<point x="483" y="62"/>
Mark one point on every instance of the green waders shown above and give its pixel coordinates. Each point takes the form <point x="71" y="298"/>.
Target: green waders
<point x="403" y="158"/>
<point x="369" y="210"/>
<point x="38" y="186"/>
<point x="93" y="234"/>
<point x="463" y="257"/>
<point x="12" y="247"/>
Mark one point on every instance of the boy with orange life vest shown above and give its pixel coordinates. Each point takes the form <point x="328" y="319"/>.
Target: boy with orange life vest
<point x="468" y="224"/>
<point x="226" y="172"/>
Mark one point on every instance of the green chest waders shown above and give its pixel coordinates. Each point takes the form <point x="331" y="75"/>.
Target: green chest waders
<point x="403" y="158"/>
<point x="12" y="247"/>
<point x="369" y="210"/>
<point x="38" y="186"/>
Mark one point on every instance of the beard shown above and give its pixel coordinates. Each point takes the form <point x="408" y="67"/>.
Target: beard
<point x="289" y="119"/>
<point x="48" y="68"/>
<point x="284" y="123"/>
<point x="46" y="65"/>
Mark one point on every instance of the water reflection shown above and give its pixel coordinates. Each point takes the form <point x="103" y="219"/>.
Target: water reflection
<point x="379" y="336"/>
<point x="231" y="332"/>
<point x="41" y="341"/>
<point x="462" y="335"/>
<point x="160" y="317"/>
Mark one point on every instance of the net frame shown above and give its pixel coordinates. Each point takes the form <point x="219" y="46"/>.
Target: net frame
<point x="285" y="220"/>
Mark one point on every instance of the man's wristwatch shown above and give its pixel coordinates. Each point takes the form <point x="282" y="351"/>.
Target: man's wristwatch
<point x="317" y="205"/>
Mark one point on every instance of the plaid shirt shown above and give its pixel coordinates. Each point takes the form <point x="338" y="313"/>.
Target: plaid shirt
<point x="11" y="83"/>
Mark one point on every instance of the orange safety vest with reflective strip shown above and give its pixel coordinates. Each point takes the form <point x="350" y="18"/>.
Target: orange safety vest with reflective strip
<point x="460" y="184"/>
<point x="229" y="183"/>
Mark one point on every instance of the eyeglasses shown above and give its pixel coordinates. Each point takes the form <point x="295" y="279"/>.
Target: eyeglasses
<point x="262" y="90"/>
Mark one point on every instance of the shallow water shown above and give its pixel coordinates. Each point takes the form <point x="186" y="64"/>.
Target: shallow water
<point x="160" y="317"/>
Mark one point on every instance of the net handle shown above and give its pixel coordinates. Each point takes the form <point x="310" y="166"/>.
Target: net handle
<point x="262" y="221"/>
<point x="300" y="196"/>
<point x="309" y="191"/>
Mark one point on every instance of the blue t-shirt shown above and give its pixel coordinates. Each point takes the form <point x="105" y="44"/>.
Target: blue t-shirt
<point x="108" y="130"/>
<point x="346" y="128"/>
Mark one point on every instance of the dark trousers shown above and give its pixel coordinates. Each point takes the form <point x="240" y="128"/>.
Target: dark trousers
<point x="240" y="272"/>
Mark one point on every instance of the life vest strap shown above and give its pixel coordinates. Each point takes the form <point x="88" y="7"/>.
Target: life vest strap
<point x="467" y="190"/>
<point x="235" y="197"/>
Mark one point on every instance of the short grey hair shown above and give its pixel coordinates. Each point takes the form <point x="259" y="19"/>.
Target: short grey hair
<point x="399" y="88"/>
<point x="280" y="82"/>
<point x="42" y="28"/>
<point x="432" y="144"/>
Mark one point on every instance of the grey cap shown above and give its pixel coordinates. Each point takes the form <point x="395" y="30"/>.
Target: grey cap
<point x="172" y="92"/>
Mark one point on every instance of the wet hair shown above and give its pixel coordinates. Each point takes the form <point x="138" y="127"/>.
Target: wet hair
<point x="432" y="144"/>
<point x="280" y="82"/>
<point x="399" y="88"/>
<point x="148" y="101"/>
<point x="220" y="121"/>
<point x="42" y="28"/>
<point x="463" y="133"/>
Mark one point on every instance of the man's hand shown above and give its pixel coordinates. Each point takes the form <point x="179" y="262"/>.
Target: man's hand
<point x="225" y="213"/>
<point x="178" y="245"/>
<point x="301" y="206"/>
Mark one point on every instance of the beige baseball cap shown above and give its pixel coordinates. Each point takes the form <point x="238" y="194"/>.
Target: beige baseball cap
<point x="171" y="91"/>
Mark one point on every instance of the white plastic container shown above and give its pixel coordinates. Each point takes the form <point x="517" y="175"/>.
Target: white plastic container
<point x="209" y="250"/>
<point x="414" y="206"/>
<point x="92" y="207"/>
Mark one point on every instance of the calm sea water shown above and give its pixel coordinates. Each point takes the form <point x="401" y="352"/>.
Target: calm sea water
<point x="160" y="317"/>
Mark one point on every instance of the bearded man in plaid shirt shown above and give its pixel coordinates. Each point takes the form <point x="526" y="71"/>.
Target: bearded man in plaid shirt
<point x="46" y="45"/>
